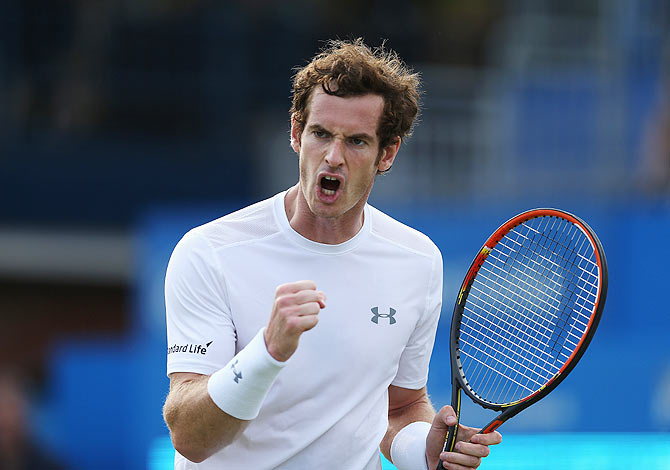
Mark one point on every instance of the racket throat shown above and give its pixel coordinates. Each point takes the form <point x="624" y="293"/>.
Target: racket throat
<point x="501" y="418"/>
<point x="492" y="426"/>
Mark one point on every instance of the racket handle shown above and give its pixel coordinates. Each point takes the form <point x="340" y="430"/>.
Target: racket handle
<point x="451" y="439"/>
<point x="449" y="443"/>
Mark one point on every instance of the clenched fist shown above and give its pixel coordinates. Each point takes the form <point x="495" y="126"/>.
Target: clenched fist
<point x="295" y="310"/>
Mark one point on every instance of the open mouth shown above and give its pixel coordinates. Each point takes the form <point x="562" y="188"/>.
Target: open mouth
<point x="329" y="185"/>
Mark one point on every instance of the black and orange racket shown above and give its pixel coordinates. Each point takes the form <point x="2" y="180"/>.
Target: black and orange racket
<point x="526" y="312"/>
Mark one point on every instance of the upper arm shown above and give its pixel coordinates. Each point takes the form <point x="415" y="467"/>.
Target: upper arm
<point x="200" y="330"/>
<point x="415" y="358"/>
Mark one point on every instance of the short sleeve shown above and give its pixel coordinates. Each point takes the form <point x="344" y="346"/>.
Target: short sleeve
<point x="200" y="332"/>
<point x="413" y="366"/>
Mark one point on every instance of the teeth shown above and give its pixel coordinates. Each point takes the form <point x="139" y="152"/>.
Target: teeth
<point x="327" y="192"/>
<point x="330" y="178"/>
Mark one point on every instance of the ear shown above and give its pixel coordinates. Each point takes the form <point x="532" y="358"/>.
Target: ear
<point x="388" y="155"/>
<point x="296" y="131"/>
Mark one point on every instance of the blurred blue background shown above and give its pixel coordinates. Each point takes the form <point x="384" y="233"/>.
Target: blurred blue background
<point x="124" y="124"/>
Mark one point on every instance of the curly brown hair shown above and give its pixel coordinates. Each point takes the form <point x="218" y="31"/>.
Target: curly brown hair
<point x="351" y="68"/>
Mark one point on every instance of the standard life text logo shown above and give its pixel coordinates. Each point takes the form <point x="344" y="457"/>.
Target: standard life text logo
<point x="189" y="348"/>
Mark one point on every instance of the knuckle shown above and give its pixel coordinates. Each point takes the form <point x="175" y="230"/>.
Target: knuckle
<point x="284" y="302"/>
<point x="292" y="324"/>
<point x="280" y="301"/>
<point x="313" y="308"/>
<point x="280" y="289"/>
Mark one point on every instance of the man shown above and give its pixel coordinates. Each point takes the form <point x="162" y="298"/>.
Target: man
<point x="271" y="371"/>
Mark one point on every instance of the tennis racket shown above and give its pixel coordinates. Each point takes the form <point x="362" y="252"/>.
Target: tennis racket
<point x="525" y="313"/>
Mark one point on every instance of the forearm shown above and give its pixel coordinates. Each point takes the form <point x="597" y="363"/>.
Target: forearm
<point x="418" y="410"/>
<point x="205" y="413"/>
<point x="198" y="427"/>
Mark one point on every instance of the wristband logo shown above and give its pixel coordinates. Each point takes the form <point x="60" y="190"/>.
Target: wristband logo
<point x="189" y="348"/>
<point x="238" y="375"/>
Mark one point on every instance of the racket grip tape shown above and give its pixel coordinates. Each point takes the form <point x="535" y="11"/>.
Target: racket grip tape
<point x="452" y="431"/>
<point x="451" y="439"/>
<point x="449" y="443"/>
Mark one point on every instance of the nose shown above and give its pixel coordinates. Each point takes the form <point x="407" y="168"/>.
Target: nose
<point x="335" y="154"/>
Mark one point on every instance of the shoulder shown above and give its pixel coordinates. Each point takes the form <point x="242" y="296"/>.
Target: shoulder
<point x="246" y="225"/>
<point x="402" y="236"/>
<point x="198" y="245"/>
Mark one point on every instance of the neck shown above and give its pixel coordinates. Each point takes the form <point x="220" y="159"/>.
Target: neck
<point x="327" y="230"/>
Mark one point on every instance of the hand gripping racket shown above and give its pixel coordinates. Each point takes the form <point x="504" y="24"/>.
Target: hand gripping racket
<point x="526" y="312"/>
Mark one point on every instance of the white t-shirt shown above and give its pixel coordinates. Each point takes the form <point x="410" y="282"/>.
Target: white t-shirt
<point x="328" y="407"/>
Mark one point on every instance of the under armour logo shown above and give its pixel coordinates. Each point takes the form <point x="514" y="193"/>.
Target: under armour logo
<point x="238" y="375"/>
<point x="376" y="315"/>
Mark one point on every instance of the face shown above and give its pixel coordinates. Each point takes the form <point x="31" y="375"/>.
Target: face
<point x="339" y="152"/>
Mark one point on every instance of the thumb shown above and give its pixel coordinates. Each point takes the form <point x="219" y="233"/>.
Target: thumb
<point x="438" y="431"/>
<point x="437" y="435"/>
<point x="445" y="417"/>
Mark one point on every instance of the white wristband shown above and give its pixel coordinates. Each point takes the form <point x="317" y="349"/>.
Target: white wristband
<point x="408" y="449"/>
<point x="240" y="387"/>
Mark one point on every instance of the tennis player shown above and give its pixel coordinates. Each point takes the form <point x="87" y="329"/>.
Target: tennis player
<point x="300" y="328"/>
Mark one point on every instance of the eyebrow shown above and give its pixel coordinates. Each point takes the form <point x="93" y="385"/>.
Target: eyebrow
<point x="317" y="127"/>
<point x="360" y="135"/>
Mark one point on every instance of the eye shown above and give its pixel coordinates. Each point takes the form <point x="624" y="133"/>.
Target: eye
<point x="320" y="134"/>
<point x="357" y="142"/>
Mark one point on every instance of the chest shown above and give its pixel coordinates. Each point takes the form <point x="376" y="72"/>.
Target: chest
<point x="374" y="301"/>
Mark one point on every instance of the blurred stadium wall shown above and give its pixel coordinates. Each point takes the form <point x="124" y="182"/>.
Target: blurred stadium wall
<point x="123" y="124"/>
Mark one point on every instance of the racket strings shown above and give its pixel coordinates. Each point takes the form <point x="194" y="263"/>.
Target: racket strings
<point x="544" y="269"/>
<point x="506" y="354"/>
<point x="536" y="301"/>
<point x="543" y="274"/>
<point x="528" y="308"/>
<point x="533" y="349"/>
<point x="536" y="306"/>
<point x="530" y="263"/>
